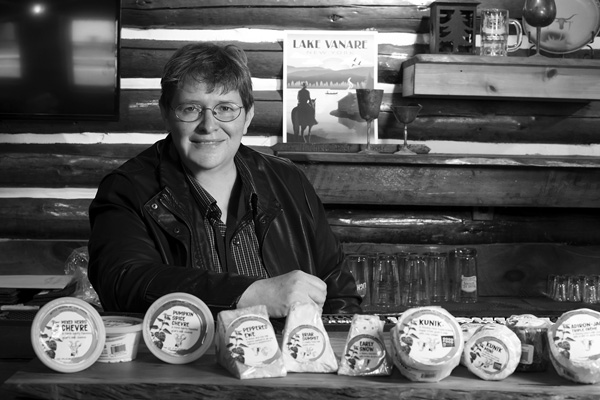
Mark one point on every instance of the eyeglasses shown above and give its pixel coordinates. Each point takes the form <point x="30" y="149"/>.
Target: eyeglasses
<point x="224" y="112"/>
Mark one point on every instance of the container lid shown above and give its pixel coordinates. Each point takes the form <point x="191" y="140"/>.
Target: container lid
<point x="118" y="324"/>
<point x="68" y="335"/>
<point x="178" y="328"/>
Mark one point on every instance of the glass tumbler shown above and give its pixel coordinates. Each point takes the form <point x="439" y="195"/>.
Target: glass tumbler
<point x="590" y="289"/>
<point x="417" y="281"/>
<point x="386" y="282"/>
<point x="437" y="266"/>
<point x="464" y="275"/>
<point x="360" y="268"/>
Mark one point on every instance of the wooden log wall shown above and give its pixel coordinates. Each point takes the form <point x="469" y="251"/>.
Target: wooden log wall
<point x="49" y="169"/>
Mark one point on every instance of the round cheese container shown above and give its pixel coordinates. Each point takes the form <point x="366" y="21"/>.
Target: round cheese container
<point x="574" y="342"/>
<point x="178" y="328"/>
<point x="427" y="344"/>
<point x="493" y="352"/>
<point x="122" y="338"/>
<point x="67" y="334"/>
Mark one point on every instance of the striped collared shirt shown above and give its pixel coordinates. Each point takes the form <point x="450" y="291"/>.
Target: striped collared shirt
<point x="234" y="246"/>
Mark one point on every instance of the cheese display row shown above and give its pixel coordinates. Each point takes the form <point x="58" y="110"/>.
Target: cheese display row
<point x="425" y="344"/>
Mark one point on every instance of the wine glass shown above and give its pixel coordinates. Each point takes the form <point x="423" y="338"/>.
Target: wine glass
<point x="406" y="114"/>
<point x="539" y="13"/>
<point x="369" y="103"/>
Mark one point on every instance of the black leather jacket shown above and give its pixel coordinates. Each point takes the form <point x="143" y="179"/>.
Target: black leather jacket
<point x="148" y="239"/>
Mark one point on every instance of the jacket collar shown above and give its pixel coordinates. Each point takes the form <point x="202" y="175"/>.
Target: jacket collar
<point x="173" y="176"/>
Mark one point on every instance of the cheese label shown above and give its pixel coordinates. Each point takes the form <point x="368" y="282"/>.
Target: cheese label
<point x="251" y="340"/>
<point x="67" y="335"/>
<point x="489" y="355"/>
<point x="527" y="352"/>
<point x="177" y="328"/>
<point x="578" y="337"/>
<point x="365" y="353"/>
<point x="306" y="343"/>
<point x="428" y="337"/>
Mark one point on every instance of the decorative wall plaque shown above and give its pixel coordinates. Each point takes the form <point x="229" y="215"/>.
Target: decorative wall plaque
<point x="452" y="27"/>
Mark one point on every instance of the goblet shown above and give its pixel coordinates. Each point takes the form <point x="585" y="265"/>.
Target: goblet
<point x="539" y="13"/>
<point x="406" y="114"/>
<point x="369" y="103"/>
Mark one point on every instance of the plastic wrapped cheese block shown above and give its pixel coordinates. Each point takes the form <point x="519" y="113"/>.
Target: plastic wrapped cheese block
<point x="178" y="328"/>
<point x="493" y="352"/>
<point x="246" y="344"/>
<point x="533" y="334"/>
<point x="305" y="345"/>
<point x="427" y="344"/>
<point x="67" y="334"/>
<point x="365" y="352"/>
<point x="574" y="342"/>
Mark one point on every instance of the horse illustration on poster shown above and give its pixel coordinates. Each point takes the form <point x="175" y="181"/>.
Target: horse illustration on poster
<point x="303" y="117"/>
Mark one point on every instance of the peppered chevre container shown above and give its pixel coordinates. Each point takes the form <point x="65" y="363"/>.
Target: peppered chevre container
<point x="68" y="335"/>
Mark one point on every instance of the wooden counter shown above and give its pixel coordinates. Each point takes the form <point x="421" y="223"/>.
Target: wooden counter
<point x="149" y="378"/>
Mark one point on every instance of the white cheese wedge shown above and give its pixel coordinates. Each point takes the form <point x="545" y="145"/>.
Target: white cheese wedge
<point x="574" y="342"/>
<point x="305" y="345"/>
<point x="493" y="352"/>
<point x="427" y="344"/>
<point x="365" y="352"/>
<point x="246" y="344"/>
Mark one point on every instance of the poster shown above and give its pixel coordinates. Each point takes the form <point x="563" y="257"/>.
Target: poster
<point x="321" y="72"/>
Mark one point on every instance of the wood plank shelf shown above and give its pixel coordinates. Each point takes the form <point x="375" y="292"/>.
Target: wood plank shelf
<point x="524" y="78"/>
<point x="149" y="378"/>
<point x="443" y="180"/>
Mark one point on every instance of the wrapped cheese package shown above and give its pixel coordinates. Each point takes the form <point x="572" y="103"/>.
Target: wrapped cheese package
<point x="427" y="344"/>
<point x="533" y="334"/>
<point x="365" y="352"/>
<point x="574" y="342"/>
<point x="246" y="344"/>
<point x="493" y="352"/>
<point x="306" y="346"/>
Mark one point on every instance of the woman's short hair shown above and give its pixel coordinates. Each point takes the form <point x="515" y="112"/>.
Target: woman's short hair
<point x="223" y="68"/>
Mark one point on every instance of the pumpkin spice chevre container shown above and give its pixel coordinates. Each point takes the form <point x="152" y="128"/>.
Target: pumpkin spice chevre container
<point x="178" y="328"/>
<point x="122" y="338"/>
<point x="68" y="335"/>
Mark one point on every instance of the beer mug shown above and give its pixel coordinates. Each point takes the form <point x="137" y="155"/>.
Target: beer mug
<point x="494" y="32"/>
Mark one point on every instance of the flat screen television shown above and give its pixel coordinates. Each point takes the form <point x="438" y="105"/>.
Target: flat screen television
<point x="59" y="59"/>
